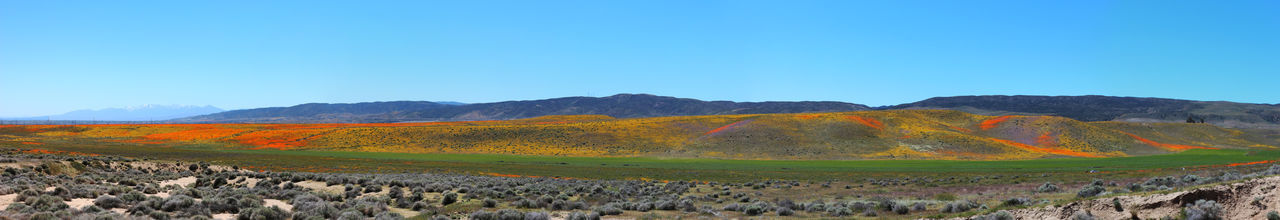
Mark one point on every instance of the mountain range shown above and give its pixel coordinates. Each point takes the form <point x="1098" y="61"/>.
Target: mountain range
<point x="620" y="106"/>
<point x="1084" y="108"/>
<point x="134" y="113"/>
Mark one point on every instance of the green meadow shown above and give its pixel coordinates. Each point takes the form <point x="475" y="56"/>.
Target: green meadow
<point x="664" y="168"/>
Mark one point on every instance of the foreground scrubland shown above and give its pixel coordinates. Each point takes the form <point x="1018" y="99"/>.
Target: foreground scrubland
<point x="45" y="184"/>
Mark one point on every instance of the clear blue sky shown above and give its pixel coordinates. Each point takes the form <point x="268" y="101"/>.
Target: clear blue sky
<point x="58" y="56"/>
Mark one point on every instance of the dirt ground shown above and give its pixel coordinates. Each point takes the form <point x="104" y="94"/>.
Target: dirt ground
<point x="1251" y="199"/>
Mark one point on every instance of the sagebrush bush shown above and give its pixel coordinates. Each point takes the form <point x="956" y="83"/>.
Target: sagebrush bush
<point x="1047" y="188"/>
<point x="109" y="202"/>
<point x="1090" y="191"/>
<point x="1203" y="210"/>
<point x="449" y="198"/>
<point x="1082" y="215"/>
<point x="901" y="209"/>
<point x="784" y="211"/>
<point x="262" y="213"/>
<point x="958" y="206"/>
<point x="582" y="216"/>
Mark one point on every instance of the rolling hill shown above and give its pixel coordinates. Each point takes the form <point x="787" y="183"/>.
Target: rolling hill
<point x="1109" y="108"/>
<point x="620" y="106"/>
<point x="888" y="134"/>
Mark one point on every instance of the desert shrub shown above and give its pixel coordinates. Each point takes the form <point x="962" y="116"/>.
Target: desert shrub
<point x="754" y="209"/>
<point x="732" y="207"/>
<point x="109" y="202"/>
<point x="1192" y="179"/>
<point x="958" y="206"/>
<point x="262" y="213"/>
<point x="999" y="215"/>
<point x="901" y="209"/>
<point x="1090" y="191"/>
<point x="1273" y="215"/>
<point x="175" y="203"/>
<point x="788" y="204"/>
<point x="449" y="198"/>
<point x="685" y="205"/>
<point x="159" y="215"/>
<point x="859" y="206"/>
<point x="918" y="206"/>
<point x="1017" y="202"/>
<point x="313" y="205"/>
<point x="869" y="213"/>
<point x="1047" y="188"/>
<point x="482" y="215"/>
<point x="133" y="196"/>
<point x="43" y="216"/>
<point x="352" y="215"/>
<point x="91" y="209"/>
<point x="388" y="216"/>
<point x="1082" y="215"/>
<point x="46" y="203"/>
<point x="490" y="203"/>
<point x="608" y="209"/>
<point x="1203" y="210"/>
<point x="784" y="211"/>
<point x="509" y="214"/>
<point x="525" y="204"/>
<point x="22" y="196"/>
<point x="1115" y="203"/>
<point x="395" y="192"/>
<point x="665" y="205"/>
<point x="582" y="216"/>
<point x="839" y="211"/>
<point x="536" y="216"/>
<point x="369" y="206"/>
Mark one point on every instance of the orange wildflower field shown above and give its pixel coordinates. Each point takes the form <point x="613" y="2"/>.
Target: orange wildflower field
<point x="896" y="134"/>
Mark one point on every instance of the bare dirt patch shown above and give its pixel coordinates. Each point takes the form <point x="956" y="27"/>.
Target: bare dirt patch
<point x="183" y="182"/>
<point x="320" y="186"/>
<point x="80" y="203"/>
<point x="277" y="203"/>
<point x="5" y="200"/>
<point x="1251" y="199"/>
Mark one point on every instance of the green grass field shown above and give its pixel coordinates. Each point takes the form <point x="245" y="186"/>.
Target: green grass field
<point x="666" y="169"/>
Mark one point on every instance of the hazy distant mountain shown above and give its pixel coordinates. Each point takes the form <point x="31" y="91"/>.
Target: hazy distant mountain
<point x="135" y="113"/>
<point x="321" y="112"/>
<point x="621" y="106"/>
<point x="1110" y="108"/>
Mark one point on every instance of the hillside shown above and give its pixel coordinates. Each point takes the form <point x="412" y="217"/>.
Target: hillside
<point x="320" y="112"/>
<point x="1109" y="108"/>
<point x="620" y="106"/>
<point x="893" y="134"/>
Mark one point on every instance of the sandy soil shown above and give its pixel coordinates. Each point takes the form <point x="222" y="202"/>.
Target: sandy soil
<point x="319" y="186"/>
<point x="160" y="194"/>
<point x="277" y="203"/>
<point x="18" y="164"/>
<point x="407" y="213"/>
<point x="183" y="182"/>
<point x="80" y="203"/>
<point x="224" y="216"/>
<point x="5" y="200"/>
<point x="1237" y="200"/>
<point x="250" y="182"/>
